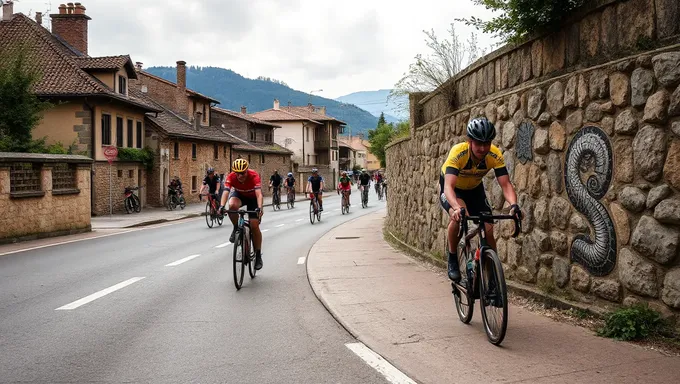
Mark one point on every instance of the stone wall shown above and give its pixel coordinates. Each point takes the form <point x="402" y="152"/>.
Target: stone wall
<point x="57" y="210"/>
<point x="123" y="174"/>
<point x="594" y="155"/>
<point x="272" y="161"/>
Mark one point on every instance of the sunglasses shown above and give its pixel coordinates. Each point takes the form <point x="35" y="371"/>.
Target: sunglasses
<point x="241" y="173"/>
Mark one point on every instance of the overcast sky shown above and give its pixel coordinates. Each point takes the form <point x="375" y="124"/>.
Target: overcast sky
<point x="340" y="47"/>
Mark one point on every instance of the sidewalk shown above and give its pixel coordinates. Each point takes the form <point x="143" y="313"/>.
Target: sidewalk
<point x="405" y="312"/>
<point x="151" y="215"/>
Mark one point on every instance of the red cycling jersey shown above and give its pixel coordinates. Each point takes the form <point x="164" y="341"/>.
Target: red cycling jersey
<point x="247" y="188"/>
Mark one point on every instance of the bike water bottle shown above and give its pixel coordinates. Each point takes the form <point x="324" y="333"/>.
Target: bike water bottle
<point x="469" y="268"/>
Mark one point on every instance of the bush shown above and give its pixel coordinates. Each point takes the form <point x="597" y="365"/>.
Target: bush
<point x="519" y="18"/>
<point x="145" y="156"/>
<point x="633" y="323"/>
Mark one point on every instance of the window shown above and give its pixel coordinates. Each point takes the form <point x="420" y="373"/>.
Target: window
<point x="308" y="160"/>
<point x="307" y="130"/>
<point x="261" y="158"/>
<point x="122" y="85"/>
<point x="106" y="129"/>
<point x="119" y="131"/>
<point x="25" y="177"/>
<point x="284" y="159"/>
<point x="216" y="151"/>
<point x="205" y="115"/>
<point x="193" y="183"/>
<point x="248" y="158"/>
<point x="120" y="173"/>
<point x="129" y="133"/>
<point x="131" y="173"/>
<point x="253" y="135"/>
<point x="176" y="150"/>
<point x="268" y="137"/>
<point x="193" y="151"/>
<point x="139" y="134"/>
<point x="224" y="153"/>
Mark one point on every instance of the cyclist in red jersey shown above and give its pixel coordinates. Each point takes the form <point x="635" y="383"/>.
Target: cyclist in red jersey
<point x="243" y="187"/>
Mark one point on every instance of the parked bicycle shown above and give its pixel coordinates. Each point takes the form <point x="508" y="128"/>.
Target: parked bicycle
<point x="276" y="198"/>
<point x="483" y="277"/>
<point x="212" y="213"/>
<point x="290" y="200"/>
<point x="314" y="212"/>
<point x="131" y="201"/>
<point x="175" y="198"/>
<point x="243" y="248"/>
<point x="345" y="202"/>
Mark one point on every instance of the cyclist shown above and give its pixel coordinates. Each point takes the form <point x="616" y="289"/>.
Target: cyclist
<point x="461" y="186"/>
<point x="345" y="185"/>
<point x="211" y="182"/>
<point x="243" y="187"/>
<point x="315" y="185"/>
<point x="364" y="182"/>
<point x="289" y="182"/>
<point x="378" y="181"/>
<point x="275" y="181"/>
<point x="175" y="187"/>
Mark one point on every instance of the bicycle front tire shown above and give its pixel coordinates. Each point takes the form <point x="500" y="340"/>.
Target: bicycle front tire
<point x="137" y="204"/>
<point x="239" y="270"/>
<point x="493" y="298"/>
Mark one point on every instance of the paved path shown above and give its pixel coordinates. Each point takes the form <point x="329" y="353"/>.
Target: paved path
<point x="405" y="312"/>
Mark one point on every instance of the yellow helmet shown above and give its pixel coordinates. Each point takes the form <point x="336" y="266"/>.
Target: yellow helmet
<point x="239" y="165"/>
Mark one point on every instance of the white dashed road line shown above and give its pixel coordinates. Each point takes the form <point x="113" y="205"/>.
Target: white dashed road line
<point x="280" y="225"/>
<point x="264" y="230"/>
<point x="298" y="220"/>
<point x="223" y="245"/>
<point x="392" y="374"/>
<point x="99" y="294"/>
<point x="180" y="261"/>
<point x="301" y="260"/>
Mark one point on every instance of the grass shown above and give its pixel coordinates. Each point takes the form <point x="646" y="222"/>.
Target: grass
<point x="633" y="323"/>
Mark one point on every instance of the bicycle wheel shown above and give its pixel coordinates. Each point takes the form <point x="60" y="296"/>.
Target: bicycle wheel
<point x="219" y="218"/>
<point x="208" y="215"/>
<point x="238" y="261"/>
<point x="493" y="297"/>
<point x="312" y="213"/>
<point x="250" y="254"/>
<point x="182" y="202"/>
<point x="465" y="305"/>
<point x="137" y="203"/>
<point x="128" y="205"/>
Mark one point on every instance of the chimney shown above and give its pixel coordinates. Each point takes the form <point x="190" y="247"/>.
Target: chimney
<point x="197" y="120"/>
<point x="181" y="102"/>
<point x="243" y="110"/>
<point x="138" y="66"/>
<point x="7" y="10"/>
<point x="323" y="110"/>
<point x="276" y="104"/>
<point x="71" y="25"/>
<point x="310" y="107"/>
<point x="38" y="18"/>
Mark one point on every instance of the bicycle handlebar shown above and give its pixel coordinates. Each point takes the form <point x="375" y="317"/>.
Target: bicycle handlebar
<point x="484" y="218"/>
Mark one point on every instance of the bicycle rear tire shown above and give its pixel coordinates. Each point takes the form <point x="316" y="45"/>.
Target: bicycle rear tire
<point x="239" y="270"/>
<point x="128" y="205"/>
<point x="498" y="299"/>
<point x="182" y="203"/>
<point x="136" y="203"/>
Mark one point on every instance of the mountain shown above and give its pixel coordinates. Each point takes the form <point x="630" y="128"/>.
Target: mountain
<point x="234" y="91"/>
<point x="377" y="102"/>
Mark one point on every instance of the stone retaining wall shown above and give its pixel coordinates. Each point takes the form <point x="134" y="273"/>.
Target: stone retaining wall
<point x="594" y="155"/>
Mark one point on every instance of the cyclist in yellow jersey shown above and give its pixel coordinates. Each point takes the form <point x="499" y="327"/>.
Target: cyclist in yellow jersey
<point x="461" y="186"/>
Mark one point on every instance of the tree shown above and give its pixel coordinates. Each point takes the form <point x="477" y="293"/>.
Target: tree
<point x="381" y="119"/>
<point x="20" y="109"/>
<point x="520" y="18"/>
<point x="446" y="58"/>
<point x="383" y="135"/>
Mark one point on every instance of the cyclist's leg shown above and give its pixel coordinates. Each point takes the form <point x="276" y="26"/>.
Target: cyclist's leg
<point x="478" y="203"/>
<point x="319" y="196"/>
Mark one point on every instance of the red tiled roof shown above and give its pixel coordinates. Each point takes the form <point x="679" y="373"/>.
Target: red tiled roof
<point x="281" y="115"/>
<point x="108" y="63"/>
<point x="191" y="92"/>
<point x="60" y="73"/>
<point x="245" y="117"/>
<point x="244" y="145"/>
<point x="305" y="112"/>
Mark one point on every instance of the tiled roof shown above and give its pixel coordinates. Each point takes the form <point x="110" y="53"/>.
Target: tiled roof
<point x="305" y="112"/>
<point x="108" y="63"/>
<point x="245" y="117"/>
<point x="175" y="125"/>
<point x="281" y="115"/>
<point x="259" y="147"/>
<point x="60" y="72"/>
<point x="191" y="92"/>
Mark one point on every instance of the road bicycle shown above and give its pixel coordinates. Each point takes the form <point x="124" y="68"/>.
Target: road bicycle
<point x="380" y="191"/>
<point x="276" y="198"/>
<point x="243" y="248"/>
<point x="290" y="201"/>
<point x="483" y="277"/>
<point x="345" y="202"/>
<point x="131" y="201"/>
<point x="314" y="211"/>
<point x="175" y="198"/>
<point x="212" y="213"/>
<point x="364" y="196"/>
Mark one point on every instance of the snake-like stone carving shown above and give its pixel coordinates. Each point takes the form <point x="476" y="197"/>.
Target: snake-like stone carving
<point x="590" y="151"/>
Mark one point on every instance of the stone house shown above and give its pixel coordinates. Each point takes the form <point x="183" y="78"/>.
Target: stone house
<point x="92" y="108"/>
<point x="255" y="142"/>
<point x="310" y="134"/>
<point x="181" y="134"/>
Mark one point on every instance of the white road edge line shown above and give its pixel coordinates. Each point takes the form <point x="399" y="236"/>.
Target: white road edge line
<point x="264" y="230"/>
<point x="223" y="245"/>
<point x="69" y="242"/>
<point x="301" y="260"/>
<point x="180" y="261"/>
<point x="337" y="209"/>
<point x="280" y="225"/>
<point x="392" y="374"/>
<point x="99" y="294"/>
<point x="298" y="220"/>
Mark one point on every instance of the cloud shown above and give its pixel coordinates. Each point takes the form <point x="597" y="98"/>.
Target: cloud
<point x="341" y="47"/>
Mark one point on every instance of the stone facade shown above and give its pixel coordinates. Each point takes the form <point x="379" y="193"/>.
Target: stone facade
<point x="65" y="211"/>
<point x="601" y="194"/>
<point x="123" y="174"/>
<point x="272" y="161"/>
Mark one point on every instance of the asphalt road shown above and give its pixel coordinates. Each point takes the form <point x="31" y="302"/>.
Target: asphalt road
<point x="172" y="321"/>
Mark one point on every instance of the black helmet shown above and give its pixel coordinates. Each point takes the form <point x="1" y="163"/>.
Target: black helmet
<point x="481" y="129"/>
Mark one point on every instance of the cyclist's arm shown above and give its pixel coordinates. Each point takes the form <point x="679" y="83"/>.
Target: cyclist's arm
<point x="258" y="194"/>
<point x="450" y="180"/>
<point x="508" y="190"/>
<point x="225" y="193"/>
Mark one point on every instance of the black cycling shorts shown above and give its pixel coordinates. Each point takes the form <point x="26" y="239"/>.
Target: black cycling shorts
<point x="475" y="199"/>
<point x="249" y="202"/>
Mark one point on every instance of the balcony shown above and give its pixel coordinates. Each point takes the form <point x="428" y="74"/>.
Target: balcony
<point x="326" y="143"/>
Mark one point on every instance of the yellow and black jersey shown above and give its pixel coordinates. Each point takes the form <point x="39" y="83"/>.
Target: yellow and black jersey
<point x="460" y="163"/>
